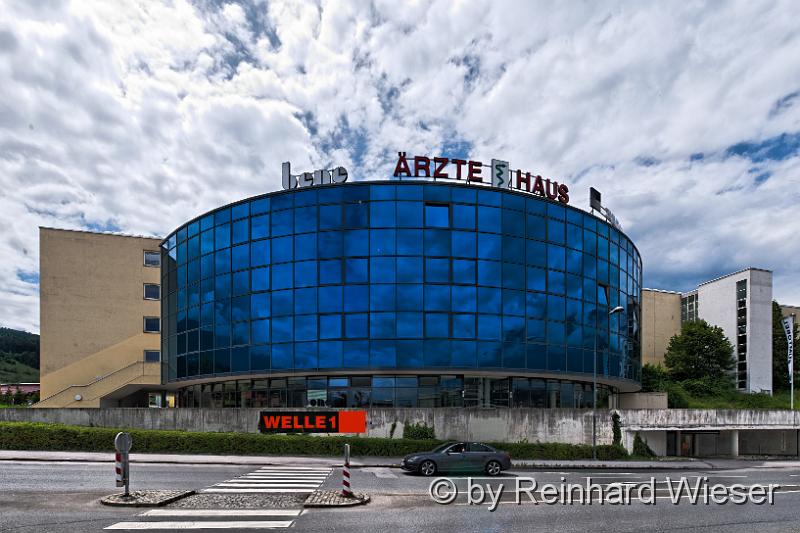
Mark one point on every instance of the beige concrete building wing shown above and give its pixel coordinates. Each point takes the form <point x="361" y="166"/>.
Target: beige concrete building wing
<point x="94" y="308"/>
<point x="661" y="320"/>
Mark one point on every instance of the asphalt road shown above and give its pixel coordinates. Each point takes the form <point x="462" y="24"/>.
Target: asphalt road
<point x="53" y="496"/>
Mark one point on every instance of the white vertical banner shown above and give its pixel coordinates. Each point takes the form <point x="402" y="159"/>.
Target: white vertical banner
<point x="501" y="174"/>
<point x="788" y="327"/>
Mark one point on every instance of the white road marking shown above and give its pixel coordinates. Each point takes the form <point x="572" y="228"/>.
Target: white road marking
<point x="239" y="524"/>
<point x="223" y="512"/>
<point x="212" y="490"/>
<point x="268" y="485"/>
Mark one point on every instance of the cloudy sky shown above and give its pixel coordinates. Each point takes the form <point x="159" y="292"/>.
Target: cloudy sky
<point x="135" y="116"/>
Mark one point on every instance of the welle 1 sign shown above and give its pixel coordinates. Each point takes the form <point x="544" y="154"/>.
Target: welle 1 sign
<point x="498" y="174"/>
<point x="312" y="422"/>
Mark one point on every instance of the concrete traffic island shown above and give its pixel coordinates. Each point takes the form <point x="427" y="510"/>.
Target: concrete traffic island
<point x="335" y="498"/>
<point x="145" y="498"/>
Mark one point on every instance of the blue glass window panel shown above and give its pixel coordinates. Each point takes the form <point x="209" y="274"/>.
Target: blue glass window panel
<point x="222" y="286"/>
<point x="207" y="266"/>
<point x="330" y="326"/>
<point x="356" y="215"/>
<point x="382" y="354"/>
<point x="574" y="237"/>
<point x="193" y="319"/>
<point x="536" y="253"/>
<point x="556" y="257"/>
<point x="437" y="352"/>
<point x="589" y="266"/>
<point x="207" y="241"/>
<point x="513" y="355"/>
<point x="331" y="216"/>
<point x="536" y="330"/>
<point x="589" y="290"/>
<point x="409" y="269"/>
<point x="222" y="236"/>
<point x="307" y="197"/>
<point x="464" y="326"/>
<point x="207" y="314"/>
<point x="259" y="357"/>
<point x="437" y="216"/>
<point x="260" y="279"/>
<point x="513" y="223"/>
<point x="193" y="271"/>
<point x="602" y="229"/>
<point x="574" y="310"/>
<point x="436" y="192"/>
<point x="555" y="231"/>
<point x="305" y="301"/>
<point x="241" y="333"/>
<point x="382" y="325"/>
<point x="409" y="192"/>
<point x="241" y="282"/>
<point x="574" y="286"/>
<point x="259" y="206"/>
<point x="193" y="229"/>
<point x="282" y="201"/>
<point x="282" y="356"/>
<point x="556" y="358"/>
<point x="437" y="325"/>
<point x="490" y="273"/>
<point x="437" y="242"/>
<point x="222" y="335"/>
<point x="489" y="354"/>
<point x="535" y="227"/>
<point x="602" y="271"/>
<point x="241" y="231"/>
<point x="240" y="359"/>
<point x="282" y="302"/>
<point x="282" y="276"/>
<point x="222" y="361"/>
<point x="382" y="270"/>
<point x="240" y="256"/>
<point x="260" y="227"/>
<point x="409" y="353"/>
<point x="356" y="297"/>
<point x="464" y="195"/>
<point x="574" y="335"/>
<point x="514" y="328"/>
<point x="330" y="354"/>
<point x="207" y="338"/>
<point x="305" y="328"/>
<point x="465" y="298"/>
<point x="222" y="261"/>
<point x="464" y="244"/>
<point x="305" y="246"/>
<point x="382" y="242"/>
<point x="330" y="299"/>
<point x="556" y="308"/>
<point x="464" y="271"/>
<point x="382" y="192"/>
<point x="222" y="216"/>
<point x="464" y="216"/>
<point x="489" y="300"/>
<point x="602" y="248"/>
<point x="489" y="327"/>
<point x="437" y="270"/>
<point x="356" y="270"/>
<point x="282" y="329"/>
<point x="556" y="211"/>
<point x="514" y="250"/>
<point x="489" y="197"/>
<point x="193" y="247"/>
<point x="260" y="305"/>
<point x="437" y="297"/>
<point x="193" y="293"/>
<point x="356" y="353"/>
<point x="574" y="262"/>
<point x="409" y="242"/>
<point x="282" y="249"/>
<point x="589" y="242"/>
<point x="182" y="258"/>
<point x="489" y="246"/>
<point x="207" y="222"/>
<point x="382" y="215"/>
<point x="409" y="325"/>
<point x="409" y="298"/>
<point x="602" y="295"/>
<point x="382" y="297"/>
<point x="536" y="356"/>
<point x="575" y="361"/>
<point x="489" y="219"/>
<point x="355" y="326"/>
<point x="305" y="273"/>
<point x="555" y="282"/>
<point x="353" y="194"/>
<point x="282" y="223"/>
<point x="555" y="333"/>
<point x="330" y="244"/>
<point x="513" y="302"/>
<point x="536" y="304"/>
<point x="305" y="220"/>
<point x="513" y="276"/>
<point x="409" y="214"/>
<point x="207" y="290"/>
<point x="259" y="253"/>
<point x="330" y="272"/>
<point x="356" y="242"/>
<point x="260" y="331"/>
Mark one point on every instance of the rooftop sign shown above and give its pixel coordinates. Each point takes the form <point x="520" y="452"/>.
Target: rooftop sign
<point x="308" y="179"/>
<point x="498" y="174"/>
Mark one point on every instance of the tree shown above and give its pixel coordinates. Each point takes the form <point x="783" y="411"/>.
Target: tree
<point x="700" y="350"/>
<point x="654" y="378"/>
<point x="780" y="369"/>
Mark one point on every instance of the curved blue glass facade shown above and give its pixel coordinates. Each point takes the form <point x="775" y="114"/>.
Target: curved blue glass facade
<point x="384" y="282"/>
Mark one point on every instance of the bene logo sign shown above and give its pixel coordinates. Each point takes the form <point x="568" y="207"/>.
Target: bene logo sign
<point x="312" y="422"/>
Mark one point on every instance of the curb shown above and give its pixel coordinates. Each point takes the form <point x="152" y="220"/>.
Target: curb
<point x="107" y="500"/>
<point x="359" y="498"/>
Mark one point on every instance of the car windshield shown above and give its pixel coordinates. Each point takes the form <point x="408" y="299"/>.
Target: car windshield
<point x="443" y="447"/>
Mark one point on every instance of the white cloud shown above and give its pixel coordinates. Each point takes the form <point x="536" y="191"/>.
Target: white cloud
<point x="111" y="112"/>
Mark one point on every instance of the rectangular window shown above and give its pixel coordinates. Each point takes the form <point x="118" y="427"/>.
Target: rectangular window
<point x="152" y="291"/>
<point x="152" y="324"/>
<point x="152" y="259"/>
<point x="152" y="356"/>
<point x="437" y="215"/>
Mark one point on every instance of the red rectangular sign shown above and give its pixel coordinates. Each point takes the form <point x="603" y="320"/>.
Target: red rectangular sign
<point x="312" y="422"/>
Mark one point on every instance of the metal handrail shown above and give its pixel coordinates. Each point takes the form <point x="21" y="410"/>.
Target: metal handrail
<point x="101" y="378"/>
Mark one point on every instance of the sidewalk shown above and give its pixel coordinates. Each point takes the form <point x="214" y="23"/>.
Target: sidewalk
<point x="391" y="462"/>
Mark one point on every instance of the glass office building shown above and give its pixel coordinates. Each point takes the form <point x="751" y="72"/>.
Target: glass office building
<point x="398" y="294"/>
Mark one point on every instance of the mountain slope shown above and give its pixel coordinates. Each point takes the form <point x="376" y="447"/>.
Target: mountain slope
<point x="19" y="356"/>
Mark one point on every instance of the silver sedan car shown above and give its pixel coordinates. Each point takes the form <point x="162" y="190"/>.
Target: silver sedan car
<point x="458" y="457"/>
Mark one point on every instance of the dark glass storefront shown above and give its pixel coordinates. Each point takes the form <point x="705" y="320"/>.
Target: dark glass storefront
<point x="379" y="282"/>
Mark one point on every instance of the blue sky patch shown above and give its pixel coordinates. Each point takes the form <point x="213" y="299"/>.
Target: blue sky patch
<point x="778" y="148"/>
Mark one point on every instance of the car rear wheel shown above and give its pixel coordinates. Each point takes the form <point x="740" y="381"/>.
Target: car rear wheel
<point x="493" y="468"/>
<point x="427" y="468"/>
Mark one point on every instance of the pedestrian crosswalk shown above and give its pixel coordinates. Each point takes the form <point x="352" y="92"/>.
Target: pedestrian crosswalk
<point x="265" y="480"/>
<point x="274" y="479"/>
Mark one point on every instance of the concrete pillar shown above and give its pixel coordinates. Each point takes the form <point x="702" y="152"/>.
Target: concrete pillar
<point x="735" y="443"/>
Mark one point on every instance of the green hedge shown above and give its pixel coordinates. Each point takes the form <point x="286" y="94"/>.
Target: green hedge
<point x="35" y="436"/>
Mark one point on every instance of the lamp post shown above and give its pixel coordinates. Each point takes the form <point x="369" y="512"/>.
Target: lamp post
<point x="617" y="309"/>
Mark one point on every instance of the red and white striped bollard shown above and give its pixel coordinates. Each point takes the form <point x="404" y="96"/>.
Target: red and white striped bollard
<point x="346" y="491"/>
